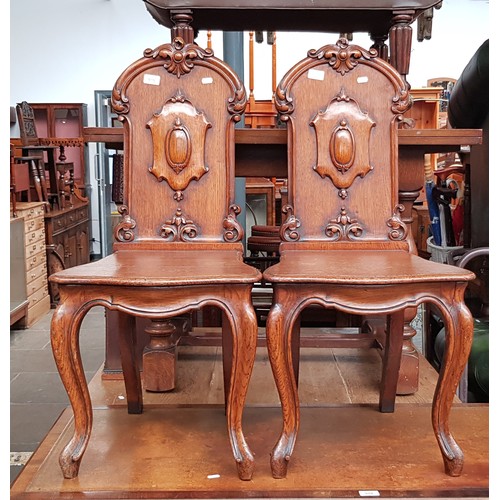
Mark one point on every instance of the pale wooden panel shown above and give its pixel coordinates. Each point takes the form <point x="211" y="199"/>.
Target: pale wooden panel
<point x="169" y="452"/>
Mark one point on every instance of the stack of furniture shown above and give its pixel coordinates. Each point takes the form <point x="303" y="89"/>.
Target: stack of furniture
<point x="56" y="160"/>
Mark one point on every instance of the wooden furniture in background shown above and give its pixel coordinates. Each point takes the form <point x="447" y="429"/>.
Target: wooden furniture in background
<point x="35" y="269"/>
<point x="41" y="158"/>
<point x="58" y="182"/>
<point x="62" y="124"/>
<point x="178" y="244"/>
<point x="67" y="240"/>
<point x="263" y="187"/>
<point x="344" y="243"/>
<point x="260" y="113"/>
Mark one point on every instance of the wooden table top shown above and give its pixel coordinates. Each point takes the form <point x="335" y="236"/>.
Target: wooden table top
<point x="330" y="16"/>
<point x="408" y="137"/>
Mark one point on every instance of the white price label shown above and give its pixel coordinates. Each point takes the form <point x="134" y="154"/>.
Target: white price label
<point x="316" y="74"/>
<point x="151" y="79"/>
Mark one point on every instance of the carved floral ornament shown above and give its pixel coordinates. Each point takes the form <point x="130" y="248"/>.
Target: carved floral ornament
<point x="342" y="57"/>
<point x="178" y="56"/>
<point x="178" y="228"/>
<point x="343" y="227"/>
<point x="288" y="230"/>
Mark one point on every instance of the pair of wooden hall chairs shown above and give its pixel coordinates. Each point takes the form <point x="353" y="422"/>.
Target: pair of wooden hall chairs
<point x="178" y="245"/>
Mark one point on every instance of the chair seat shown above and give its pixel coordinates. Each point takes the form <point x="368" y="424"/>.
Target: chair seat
<point x="360" y="267"/>
<point x="161" y="268"/>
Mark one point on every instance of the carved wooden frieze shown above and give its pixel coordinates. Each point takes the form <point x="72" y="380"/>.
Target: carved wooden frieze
<point x="343" y="227"/>
<point x="67" y="142"/>
<point x="174" y="130"/>
<point x="343" y="142"/>
<point x="178" y="228"/>
<point x="233" y="231"/>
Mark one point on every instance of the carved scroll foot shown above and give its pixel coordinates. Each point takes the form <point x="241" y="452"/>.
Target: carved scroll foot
<point x="69" y="465"/>
<point x="245" y="468"/>
<point x="453" y="466"/>
<point x="280" y="457"/>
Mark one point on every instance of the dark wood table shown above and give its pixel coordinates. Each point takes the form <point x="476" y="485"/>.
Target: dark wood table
<point x="382" y="19"/>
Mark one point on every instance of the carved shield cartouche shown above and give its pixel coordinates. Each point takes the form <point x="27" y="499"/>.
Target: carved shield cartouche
<point x="343" y="141"/>
<point x="174" y="130"/>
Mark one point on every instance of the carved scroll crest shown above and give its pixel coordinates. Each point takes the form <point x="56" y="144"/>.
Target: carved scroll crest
<point x="343" y="227"/>
<point x="343" y="142"/>
<point x="178" y="228"/>
<point x="174" y="130"/>
<point x="178" y="55"/>
<point x="233" y="231"/>
<point x="288" y="230"/>
<point x="342" y="57"/>
<point x="123" y="230"/>
<point x="398" y="230"/>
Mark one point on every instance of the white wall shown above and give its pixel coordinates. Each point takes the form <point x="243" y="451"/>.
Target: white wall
<point x="63" y="50"/>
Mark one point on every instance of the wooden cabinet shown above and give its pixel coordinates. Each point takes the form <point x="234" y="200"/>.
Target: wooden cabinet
<point x="425" y="109"/>
<point x="68" y="241"/>
<point x="35" y="269"/>
<point x="65" y="121"/>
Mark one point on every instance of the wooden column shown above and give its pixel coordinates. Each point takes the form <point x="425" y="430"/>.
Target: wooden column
<point x="400" y="36"/>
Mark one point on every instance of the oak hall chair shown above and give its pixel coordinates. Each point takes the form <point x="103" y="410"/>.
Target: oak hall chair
<point x="178" y="245"/>
<point x="344" y="245"/>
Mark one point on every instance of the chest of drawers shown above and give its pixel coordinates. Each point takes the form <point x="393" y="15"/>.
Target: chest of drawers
<point x="35" y="269"/>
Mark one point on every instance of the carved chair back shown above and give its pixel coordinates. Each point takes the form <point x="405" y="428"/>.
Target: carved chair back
<point x="27" y="125"/>
<point x="342" y="105"/>
<point x="178" y="105"/>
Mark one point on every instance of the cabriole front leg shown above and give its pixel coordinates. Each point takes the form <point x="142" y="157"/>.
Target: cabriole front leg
<point x="243" y="325"/>
<point x="459" y="329"/>
<point x="279" y="330"/>
<point x="65" y="329"/>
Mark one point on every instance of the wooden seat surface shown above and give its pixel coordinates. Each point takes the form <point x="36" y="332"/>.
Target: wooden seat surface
<point x="151" y="268"/>
<point x="358" y="267"/>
